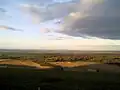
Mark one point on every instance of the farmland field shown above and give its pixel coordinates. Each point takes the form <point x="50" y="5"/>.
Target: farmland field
<point x="80" y="71"/>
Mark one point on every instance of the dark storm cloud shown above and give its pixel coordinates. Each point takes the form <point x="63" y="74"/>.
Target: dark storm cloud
<point x="103" y="27"/>
<point x="95" y="19"/>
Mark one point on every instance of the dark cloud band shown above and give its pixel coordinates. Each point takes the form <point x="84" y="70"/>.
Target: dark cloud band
<point x="102" y="20"/>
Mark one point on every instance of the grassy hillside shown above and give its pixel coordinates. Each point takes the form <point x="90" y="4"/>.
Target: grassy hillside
<point x="31" y="79"/>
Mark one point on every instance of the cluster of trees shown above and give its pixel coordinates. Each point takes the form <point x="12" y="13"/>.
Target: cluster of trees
<point x="63" y="57"/>
<point x="5" y="56"/>
<point x="68" y="58"/>
<point x="102" y="59"/>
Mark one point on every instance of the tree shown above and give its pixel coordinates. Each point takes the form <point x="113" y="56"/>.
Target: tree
<point x="3" y="56"/>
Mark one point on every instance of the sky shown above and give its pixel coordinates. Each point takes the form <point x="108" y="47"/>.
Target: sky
<point x="60" y="24"/>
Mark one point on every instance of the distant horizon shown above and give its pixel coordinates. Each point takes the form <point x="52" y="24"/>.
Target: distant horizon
<point x="79" y="48"/>
<point x="61" y="50"/>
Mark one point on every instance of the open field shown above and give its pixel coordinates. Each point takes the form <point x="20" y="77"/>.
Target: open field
<point x="28" y="71"/>
<point x="31" y="79"/>
<point x="71" y="66"/>
<point x="86" y="66"/>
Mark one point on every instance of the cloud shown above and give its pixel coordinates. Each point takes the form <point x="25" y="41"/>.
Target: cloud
<point x="81" y="18"/>
<point x="45" y="30"/>
<point x="57" y="36"/>
<point x="3" y="13"/>
<point x="40" y="2"/>
<point x="97" y="19"/>
<point x="2" y="10"/>
<point x="3" y="27"/>
<point x="48" y="12"/>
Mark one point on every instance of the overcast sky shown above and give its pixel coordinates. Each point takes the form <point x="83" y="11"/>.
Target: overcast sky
<point x="60" y="24"/>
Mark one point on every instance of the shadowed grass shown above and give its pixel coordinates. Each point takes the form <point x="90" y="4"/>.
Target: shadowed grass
<point x="30" y="79"/>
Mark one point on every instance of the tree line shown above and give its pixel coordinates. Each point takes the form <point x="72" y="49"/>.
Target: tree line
<point x="64" y="57"/>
